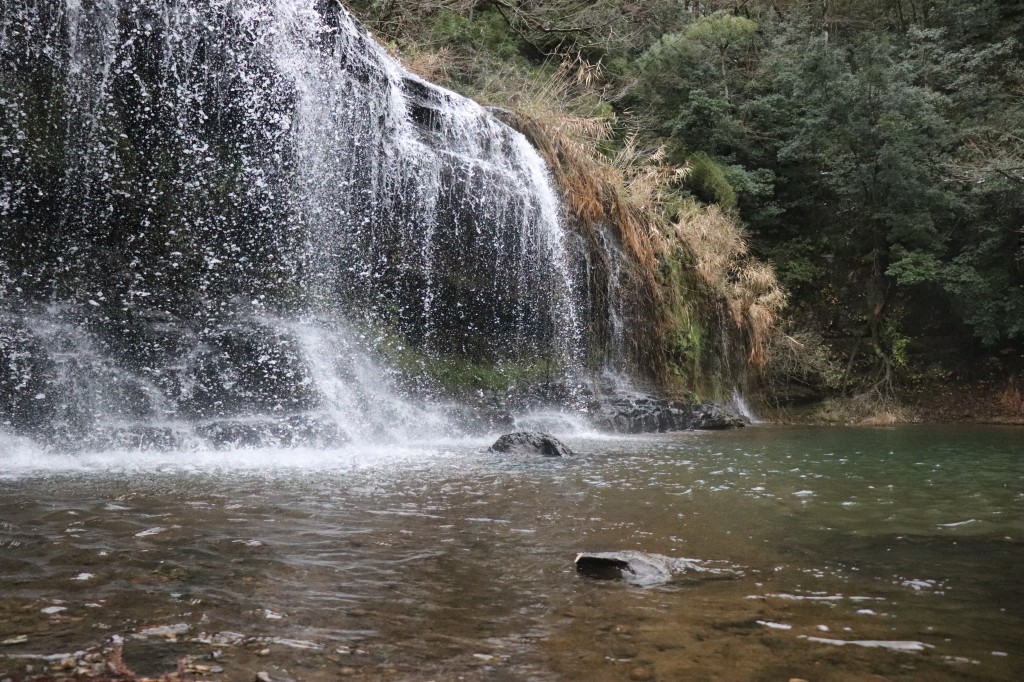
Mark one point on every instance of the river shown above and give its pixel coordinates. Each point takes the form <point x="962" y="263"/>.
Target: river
<point x="853" y="552"/>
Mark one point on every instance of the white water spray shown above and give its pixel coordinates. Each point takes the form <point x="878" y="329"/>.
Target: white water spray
<point x="255" y="193"/>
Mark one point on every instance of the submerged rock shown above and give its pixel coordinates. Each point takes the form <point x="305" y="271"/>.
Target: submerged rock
<point x="531" y="443"/>
<point x="647" y="570"/>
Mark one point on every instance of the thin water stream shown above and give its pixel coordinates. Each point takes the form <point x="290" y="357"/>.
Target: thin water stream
<point x="893" y="553"/>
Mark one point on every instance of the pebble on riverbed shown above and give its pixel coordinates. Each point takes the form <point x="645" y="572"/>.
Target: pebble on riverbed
<point x="104" y="662"/>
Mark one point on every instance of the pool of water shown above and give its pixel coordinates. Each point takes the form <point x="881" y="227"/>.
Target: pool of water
<point x="896" y="553"/>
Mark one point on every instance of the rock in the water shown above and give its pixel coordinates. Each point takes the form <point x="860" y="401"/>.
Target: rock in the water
<point x="601" y="567"/>
<point x="646" y="570"/>
<point x="531" y="443"/>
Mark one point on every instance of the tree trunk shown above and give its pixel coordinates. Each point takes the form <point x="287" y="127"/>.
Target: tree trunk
<point x="725" y="83"/>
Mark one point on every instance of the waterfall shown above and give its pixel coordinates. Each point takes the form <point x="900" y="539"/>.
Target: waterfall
<point x="740" y="404"/>
<point x="214" y="213"/>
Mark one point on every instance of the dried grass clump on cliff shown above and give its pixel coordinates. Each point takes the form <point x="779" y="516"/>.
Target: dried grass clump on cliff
<point x="722" y="258"/>
<point x="697" y="304"/>
<point x="689" y="264"/>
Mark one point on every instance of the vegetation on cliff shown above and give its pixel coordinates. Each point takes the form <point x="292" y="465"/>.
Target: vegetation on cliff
<point x="870" y="151"/>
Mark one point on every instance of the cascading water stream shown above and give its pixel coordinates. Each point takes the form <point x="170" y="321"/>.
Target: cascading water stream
<point x="743" y="407"/>
<point x="230" y="211"/>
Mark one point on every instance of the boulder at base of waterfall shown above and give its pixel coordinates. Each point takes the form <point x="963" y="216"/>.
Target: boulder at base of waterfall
<point x="530" y="443"/>
<point x="647" y="570"/>
<point x="714" y="417"/>
<point x="641" y="414"/>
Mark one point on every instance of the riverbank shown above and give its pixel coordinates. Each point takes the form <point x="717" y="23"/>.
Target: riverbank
<point x="988" y="400"/>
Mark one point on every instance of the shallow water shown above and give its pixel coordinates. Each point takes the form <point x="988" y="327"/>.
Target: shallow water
<point x="895" y="553"/>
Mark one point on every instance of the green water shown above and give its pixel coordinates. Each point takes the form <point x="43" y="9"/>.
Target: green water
<point x="891" y="553"/>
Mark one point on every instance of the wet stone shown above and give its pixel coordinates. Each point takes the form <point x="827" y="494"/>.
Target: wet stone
<point x="601" y="568"/>
<point x="531" y="443"/>
<point x="647" y="570"/>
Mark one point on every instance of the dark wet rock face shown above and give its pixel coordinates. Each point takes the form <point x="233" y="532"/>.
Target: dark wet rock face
<point x="713" y="417"/>
<point x="479" y="420"/>
<point x="531" y="443"/>
<point x="642" y="415"/>
<point x="25" y="373"/>
<point x="291" y="431"/>
<point x="650" y="414"/>
<point x="250" y="369"/>
<point x="601" y="567"/>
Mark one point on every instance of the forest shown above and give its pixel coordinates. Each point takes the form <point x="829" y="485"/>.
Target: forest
<point x="870" y="151"/>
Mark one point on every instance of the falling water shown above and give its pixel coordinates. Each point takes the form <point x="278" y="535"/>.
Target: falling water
<point x="616" y="355"/>
<point x="740" y="404"/>
<point x="219" y="214"/>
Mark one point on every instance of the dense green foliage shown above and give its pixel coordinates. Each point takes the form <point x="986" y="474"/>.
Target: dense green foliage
<point x="870" y="154"/>
<point x="873" y="148"/>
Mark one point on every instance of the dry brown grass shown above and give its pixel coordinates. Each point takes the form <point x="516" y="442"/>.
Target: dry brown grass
<point x="1011" y="398"/>
<point x="624" y="192"/>
<point x="598" y="197"/>
<point x="434" y="65"/>
<point x="722" y="258"/>
<point x="862" y="410"/>
<point x="628" y="193"/>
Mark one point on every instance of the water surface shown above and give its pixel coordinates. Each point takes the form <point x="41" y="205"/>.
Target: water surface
<point x="894" y="553"/>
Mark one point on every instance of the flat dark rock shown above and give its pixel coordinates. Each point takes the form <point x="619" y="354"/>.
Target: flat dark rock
<point x="647" y="570"/>
<point x="531" y="443"/>
<point x="601" y="567"/>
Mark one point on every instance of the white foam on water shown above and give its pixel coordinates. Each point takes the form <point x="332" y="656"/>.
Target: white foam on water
<point x="799" y="597"/>
<point x="34" y="462"/>
<point x="163" y="631"/>
<point x="891" y="645"/>
<point x="957" y="524"/>
<point x="774" y="626"/>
